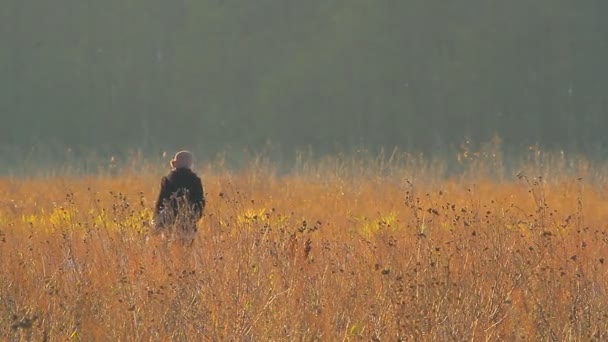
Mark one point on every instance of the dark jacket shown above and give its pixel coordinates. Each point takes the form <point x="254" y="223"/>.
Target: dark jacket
<point x="181" y="186"/>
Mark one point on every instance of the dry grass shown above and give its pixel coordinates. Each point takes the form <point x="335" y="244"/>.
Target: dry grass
<point x="331" y="252"/>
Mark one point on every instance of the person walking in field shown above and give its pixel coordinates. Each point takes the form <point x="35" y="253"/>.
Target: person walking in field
<point x="181" y="200"/>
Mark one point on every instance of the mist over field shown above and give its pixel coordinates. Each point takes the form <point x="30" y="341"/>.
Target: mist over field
<point x="375" y="170"/>
<point x="107" y="77"/>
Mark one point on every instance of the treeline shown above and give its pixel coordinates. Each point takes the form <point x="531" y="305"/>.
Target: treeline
<point x="422" y="74"/>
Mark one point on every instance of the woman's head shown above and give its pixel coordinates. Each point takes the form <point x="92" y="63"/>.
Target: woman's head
<point x="182" y="160"/>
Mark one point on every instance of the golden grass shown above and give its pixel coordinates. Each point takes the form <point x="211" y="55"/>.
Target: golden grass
<point x="321" y="254"/>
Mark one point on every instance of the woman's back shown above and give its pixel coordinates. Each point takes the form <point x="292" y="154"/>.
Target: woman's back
<point x="181" y="185"/>
<point x="181" y="199"/>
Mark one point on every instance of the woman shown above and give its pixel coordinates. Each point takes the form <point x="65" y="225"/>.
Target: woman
<point x="181" y="200"/>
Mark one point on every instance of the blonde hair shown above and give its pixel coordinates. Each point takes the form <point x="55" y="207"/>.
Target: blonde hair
<point x="182" y="160"/>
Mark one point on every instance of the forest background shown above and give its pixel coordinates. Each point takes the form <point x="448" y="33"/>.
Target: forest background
<point x="82" y="78"/>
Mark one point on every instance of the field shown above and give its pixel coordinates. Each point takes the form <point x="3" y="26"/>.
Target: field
<point x="333" y="250"/>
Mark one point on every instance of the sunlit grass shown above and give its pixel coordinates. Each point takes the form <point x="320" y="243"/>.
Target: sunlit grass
<point x="332" y="251"/>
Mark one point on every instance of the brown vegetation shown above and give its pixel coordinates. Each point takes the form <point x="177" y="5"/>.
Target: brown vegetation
<point x="333" y="251"/>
